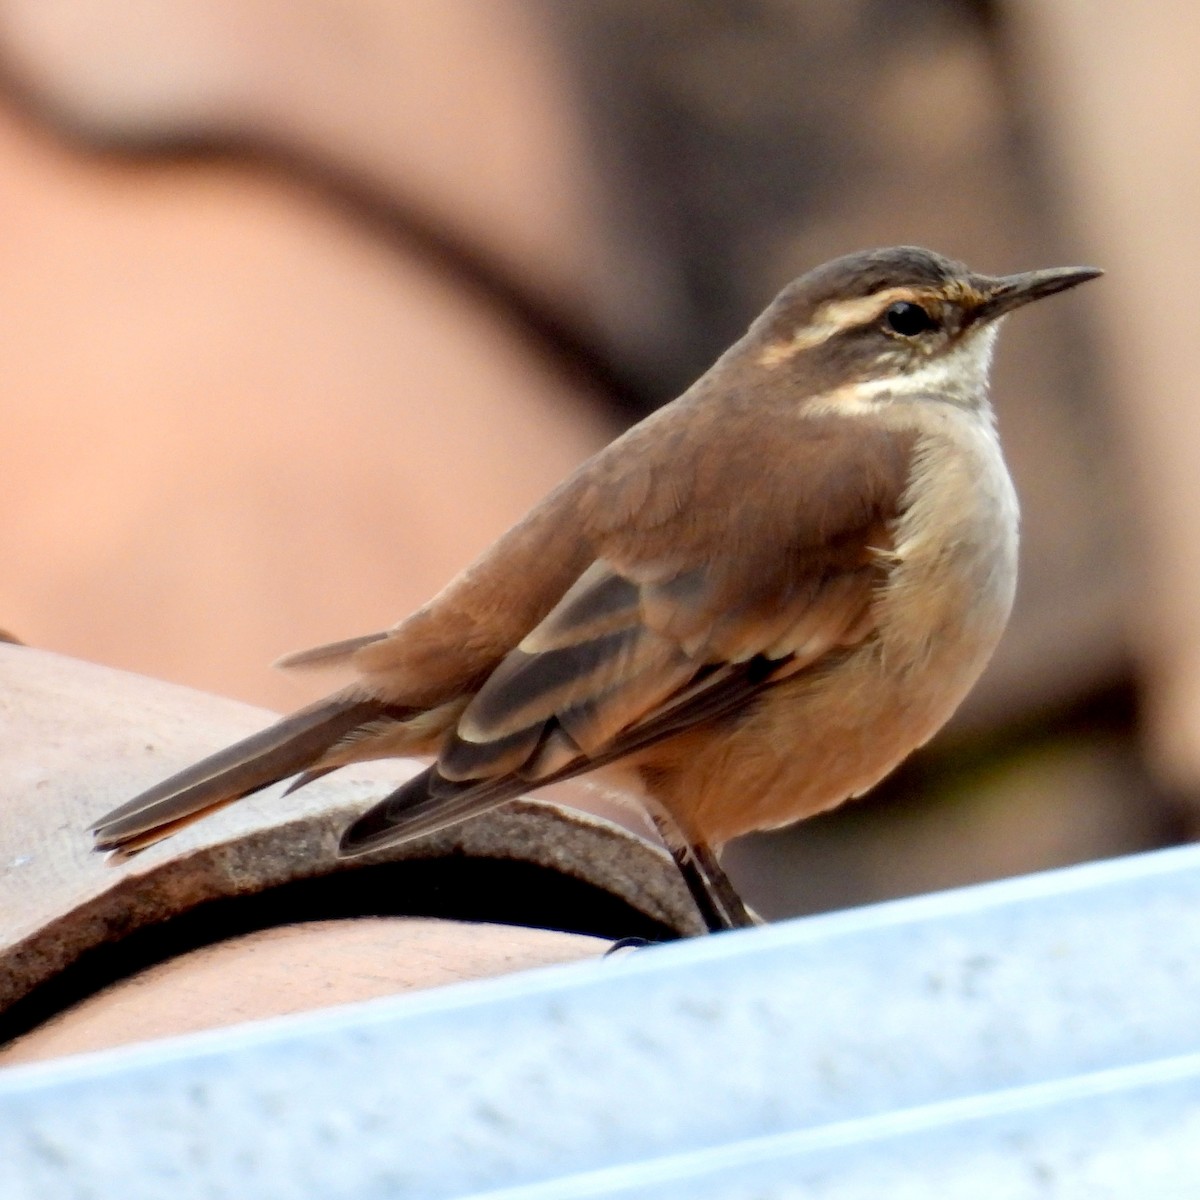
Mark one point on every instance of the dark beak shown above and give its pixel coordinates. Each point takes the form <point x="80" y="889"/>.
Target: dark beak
<point x="1011" y="291"/>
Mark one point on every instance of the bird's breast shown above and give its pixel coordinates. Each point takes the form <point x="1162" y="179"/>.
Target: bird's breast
<point x="952" y="574"/>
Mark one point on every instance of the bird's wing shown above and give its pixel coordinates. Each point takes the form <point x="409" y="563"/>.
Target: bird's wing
<point x="655" y="637"/>
<point x="657" y="632"/>
<point x="618" y="658"/>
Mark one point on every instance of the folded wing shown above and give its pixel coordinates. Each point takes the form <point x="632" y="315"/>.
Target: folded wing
<point x="653" y="638"/>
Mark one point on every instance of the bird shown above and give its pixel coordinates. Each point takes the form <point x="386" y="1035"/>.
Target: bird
<point x="748" y="608"/>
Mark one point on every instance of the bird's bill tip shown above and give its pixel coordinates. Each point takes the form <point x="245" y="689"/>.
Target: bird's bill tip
<point x="1008" y="292"/>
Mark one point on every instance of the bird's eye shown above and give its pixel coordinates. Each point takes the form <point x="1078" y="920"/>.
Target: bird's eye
<point x="908" y="319"/>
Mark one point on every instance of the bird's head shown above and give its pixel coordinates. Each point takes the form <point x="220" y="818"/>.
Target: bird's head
<point x="900" y="323"/>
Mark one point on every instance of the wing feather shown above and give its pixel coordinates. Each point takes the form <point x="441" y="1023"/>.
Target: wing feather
<point x="660" y="619"/>
<point x="654" y="636"/>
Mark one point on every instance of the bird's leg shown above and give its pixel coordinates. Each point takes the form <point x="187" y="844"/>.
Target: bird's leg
<point x="720" y="906"/>
<point x="737" y="914"/>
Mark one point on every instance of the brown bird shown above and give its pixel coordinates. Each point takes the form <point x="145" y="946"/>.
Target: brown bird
<point x="748" y="608"/>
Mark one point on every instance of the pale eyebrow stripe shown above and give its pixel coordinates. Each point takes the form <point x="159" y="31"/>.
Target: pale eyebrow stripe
<point x="830" y="319"/>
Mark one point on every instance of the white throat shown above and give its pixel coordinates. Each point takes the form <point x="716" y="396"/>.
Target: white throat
<point x="961" y="375"/>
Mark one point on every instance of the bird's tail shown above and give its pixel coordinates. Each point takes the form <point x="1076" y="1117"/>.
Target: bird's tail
<point x="426" y="804"/>
<point x="290" y="745"/>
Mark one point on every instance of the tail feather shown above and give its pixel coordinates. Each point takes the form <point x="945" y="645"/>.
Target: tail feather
<point x="288" y="746"/>
<point x="329" y="655"/>
<point x="307" y="777"/>
<point x="413" y="810"/>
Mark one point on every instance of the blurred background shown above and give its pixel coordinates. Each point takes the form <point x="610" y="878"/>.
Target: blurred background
<point x="302" y="304"/>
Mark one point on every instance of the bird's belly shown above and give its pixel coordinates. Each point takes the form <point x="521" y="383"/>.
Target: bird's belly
<point x="810" y="743"/>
